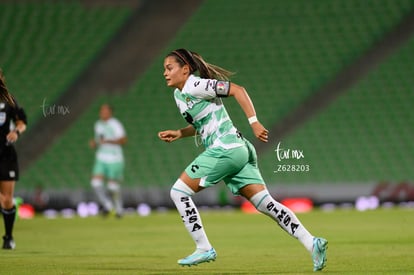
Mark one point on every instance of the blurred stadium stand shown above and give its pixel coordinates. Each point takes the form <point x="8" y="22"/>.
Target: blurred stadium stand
<point x="284" y="53"/>
<point x="47" y="45"/>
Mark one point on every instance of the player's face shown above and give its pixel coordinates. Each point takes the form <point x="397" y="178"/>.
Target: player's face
<point x="174" y="74"/>
<point x="105" y="112"/>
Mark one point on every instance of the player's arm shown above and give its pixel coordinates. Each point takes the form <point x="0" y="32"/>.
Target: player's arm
<point x="119" y="141"/>
<point x="242" y="97"/>
<point x="93" y="142"/>
<point x="120" y="134"/>
<point x="173" y="135"/>
<point x="20" y="126"/>
<point x="20" y="121"/>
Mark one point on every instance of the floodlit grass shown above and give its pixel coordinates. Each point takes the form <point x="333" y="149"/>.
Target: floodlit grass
<point x="371" y="242"/>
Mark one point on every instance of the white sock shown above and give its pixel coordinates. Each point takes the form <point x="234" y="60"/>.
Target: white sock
<point x="100" y="192"/>
<point x="285" y="218"/>
<point x="115" y="190"/>
<point x="181" y="196"/>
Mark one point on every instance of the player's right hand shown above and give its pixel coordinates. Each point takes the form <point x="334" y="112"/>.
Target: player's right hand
<point x="92" y="143"/>
<point x="169" y="135"/>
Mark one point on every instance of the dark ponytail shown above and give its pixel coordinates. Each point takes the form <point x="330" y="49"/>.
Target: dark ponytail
<point x="196" y="63"/>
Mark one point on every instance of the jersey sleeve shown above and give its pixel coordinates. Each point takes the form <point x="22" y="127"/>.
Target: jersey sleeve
<point x="18" y="113"/>
<point x="206" y="88"/>
<point x="118" y="129"/>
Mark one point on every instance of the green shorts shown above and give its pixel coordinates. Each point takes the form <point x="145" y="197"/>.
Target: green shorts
<point x="111" y="171"/>
<point x="236" y="167"/>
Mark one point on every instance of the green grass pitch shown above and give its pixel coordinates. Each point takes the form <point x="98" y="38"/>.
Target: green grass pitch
<point x="371" y="242"/>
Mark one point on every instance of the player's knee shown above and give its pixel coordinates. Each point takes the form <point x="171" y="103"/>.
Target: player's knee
<point x="114" y="186"/>
<point x="7" y="202"/>
<point x="179" y="190"/>
<point x="96" y="182"/>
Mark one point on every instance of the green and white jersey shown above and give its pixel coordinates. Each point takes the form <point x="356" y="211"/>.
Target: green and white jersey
<point x="201" y="106"/>
<point x="111" y="129"/>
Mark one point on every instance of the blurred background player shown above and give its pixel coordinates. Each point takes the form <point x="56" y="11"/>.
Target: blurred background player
<point x="228" y="155"/>
<point x="12" y="124"/>
<point x="109" y="164"/>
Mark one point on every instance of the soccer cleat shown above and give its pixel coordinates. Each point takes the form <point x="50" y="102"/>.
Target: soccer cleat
<point x="198" y="257"/>
<point x="319" y="253"/>
<point x="105" y="213"/>
<point x="8" y="243"/>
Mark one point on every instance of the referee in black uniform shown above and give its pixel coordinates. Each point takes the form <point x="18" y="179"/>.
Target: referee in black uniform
<point x="12" y="124"/>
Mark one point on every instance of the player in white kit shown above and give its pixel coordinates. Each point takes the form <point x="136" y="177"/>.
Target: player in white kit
<point x="109" y="164"/>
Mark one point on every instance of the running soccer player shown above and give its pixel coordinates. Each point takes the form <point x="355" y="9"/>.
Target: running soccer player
<point x="228" y="156"/>
<point x="109" y="164"/>
<point x="13" y="123"/>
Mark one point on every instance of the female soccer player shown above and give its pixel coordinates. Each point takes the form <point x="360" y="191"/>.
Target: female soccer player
<point x="9" y="170"/>
<point x="109" y="138"/>
<point x="228" y="156"/>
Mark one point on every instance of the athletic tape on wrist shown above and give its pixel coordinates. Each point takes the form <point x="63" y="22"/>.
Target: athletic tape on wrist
<point x="252" y="119"/>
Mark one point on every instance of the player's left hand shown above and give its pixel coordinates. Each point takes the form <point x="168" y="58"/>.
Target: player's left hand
<point x="260" y="131"/>
<point x="12" y="137"/>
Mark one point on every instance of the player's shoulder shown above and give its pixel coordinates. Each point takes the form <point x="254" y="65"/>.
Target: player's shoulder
<point x="198" y="87"/>
<point x="193" y="80"/>
<point x="192" y="84"/>
<point x="114" y="120"/>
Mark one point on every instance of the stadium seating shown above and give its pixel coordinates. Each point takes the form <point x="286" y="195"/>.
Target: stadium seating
<point x="47" y="44"/>
<point x="282" y="51"/>
<point x="364" y="136"/>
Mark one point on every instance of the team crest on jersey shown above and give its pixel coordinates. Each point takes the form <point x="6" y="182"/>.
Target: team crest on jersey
<point x="190" y="103"/>
<point x="12" y="174"/>
<point x="2" y="118"/>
